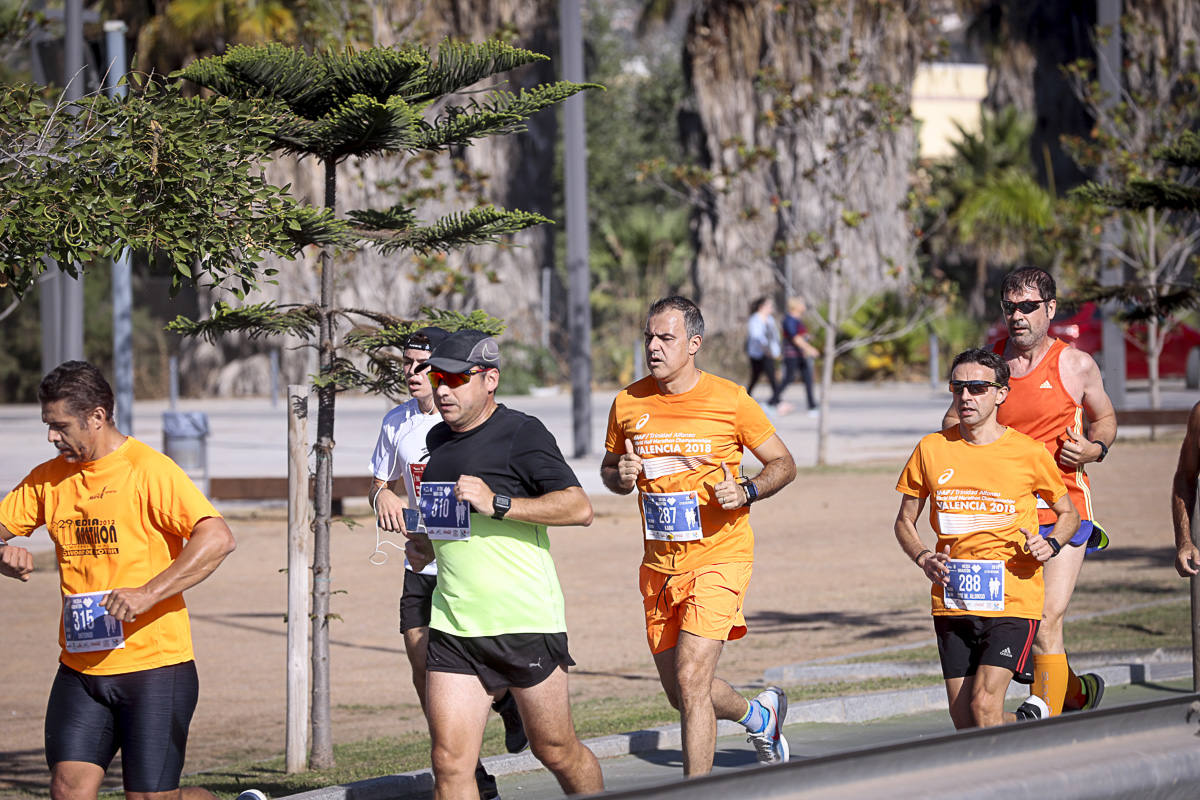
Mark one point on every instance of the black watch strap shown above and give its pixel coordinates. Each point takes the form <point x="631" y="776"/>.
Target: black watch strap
<point x="1054" y="545"/>
<point x="1103" y="450"/>
<point x="500" y="505"/>
<point x="750" y="489"/>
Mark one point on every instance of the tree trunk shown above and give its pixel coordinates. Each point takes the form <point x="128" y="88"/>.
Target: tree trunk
<point x="977" y="304"/>
<point x="829" y="353"/>
<point x="763" y="73"/>
<point x="322" y="736"/>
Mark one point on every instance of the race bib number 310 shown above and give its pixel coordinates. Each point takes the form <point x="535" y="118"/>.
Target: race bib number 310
<point x="975" y="585"/>
<point x="88" y="626"/>
<point x="445" y="516"/>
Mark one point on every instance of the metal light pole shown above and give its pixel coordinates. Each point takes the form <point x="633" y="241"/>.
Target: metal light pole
<point x="1112" y="338"/>
<point x="122" y="278"/>
<point x="579" y="308"/>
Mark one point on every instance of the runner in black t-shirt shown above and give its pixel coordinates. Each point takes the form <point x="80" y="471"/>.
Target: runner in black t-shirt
<point x="498" y="619"/>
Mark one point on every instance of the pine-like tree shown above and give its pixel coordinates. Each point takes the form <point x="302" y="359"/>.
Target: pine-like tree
<point x="335" y="105"/>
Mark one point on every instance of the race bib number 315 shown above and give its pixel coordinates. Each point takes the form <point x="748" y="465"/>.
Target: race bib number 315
<point x="975" y="585"/>
<point x="88" y="626"/>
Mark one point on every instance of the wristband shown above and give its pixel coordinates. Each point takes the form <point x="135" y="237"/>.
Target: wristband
<point x="917" y="557"/>
<point x="1054" y="545"/>
<point x="750" y="489"/>
<point x="1103" y="450"/>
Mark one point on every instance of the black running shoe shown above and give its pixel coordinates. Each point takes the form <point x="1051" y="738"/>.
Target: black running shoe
<point x="515" y="739"/>
<point x="486" y="783"/>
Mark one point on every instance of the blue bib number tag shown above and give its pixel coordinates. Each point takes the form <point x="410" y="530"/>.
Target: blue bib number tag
<point x="975" y="585"/>
<point x="445" y="516"/>
<point x="88" y="626"/>
<point x="671" y="516"/>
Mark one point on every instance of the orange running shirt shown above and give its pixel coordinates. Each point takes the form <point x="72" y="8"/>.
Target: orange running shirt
<point x="982" y="495"/>
<point x="1039" y="406"/>
<point x="116" y="522"/>
<point x="683" y="440"/>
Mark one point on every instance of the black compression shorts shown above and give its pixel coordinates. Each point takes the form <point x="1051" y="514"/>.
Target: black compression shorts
<point x="966" y="641"/>
<point x="518" y="660"/>
<point x="144" y="714"/>
<point x="416" y="602"/>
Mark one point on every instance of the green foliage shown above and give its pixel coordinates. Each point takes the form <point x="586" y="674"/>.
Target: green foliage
<point x="256" y="320"/>
<point x="157" y="173"/>
<point x="475" y="226"/>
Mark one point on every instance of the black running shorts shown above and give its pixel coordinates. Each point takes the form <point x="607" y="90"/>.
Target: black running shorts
<point x="143" y="714"/>
<point x="965" y="642"/>
<point x="416" y="601"/>
<point x="519" y="660"/>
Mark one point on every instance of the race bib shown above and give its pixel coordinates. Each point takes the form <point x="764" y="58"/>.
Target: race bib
<point x="975" y="585"/>
<point x="671" y="516"/>
<point x="88" y="626"/>
<point x="445" y="517"/>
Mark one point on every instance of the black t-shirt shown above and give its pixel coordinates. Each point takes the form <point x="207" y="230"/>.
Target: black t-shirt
<point x="511" y="452"/>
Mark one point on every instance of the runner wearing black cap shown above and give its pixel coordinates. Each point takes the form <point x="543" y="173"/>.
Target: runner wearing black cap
<point x="399" y="457"/>
<point x="494" y="481"/>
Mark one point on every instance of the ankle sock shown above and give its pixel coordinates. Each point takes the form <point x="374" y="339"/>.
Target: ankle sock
<point x="756" y="717"/>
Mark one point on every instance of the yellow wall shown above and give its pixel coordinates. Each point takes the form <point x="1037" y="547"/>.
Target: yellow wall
<point x="943" y="93"/>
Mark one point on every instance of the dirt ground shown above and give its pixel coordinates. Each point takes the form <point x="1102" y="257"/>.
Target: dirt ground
<point x="829" y="580"/>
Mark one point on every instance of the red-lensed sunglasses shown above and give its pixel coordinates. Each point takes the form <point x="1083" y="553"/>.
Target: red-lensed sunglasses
<point x="453" y="379"/>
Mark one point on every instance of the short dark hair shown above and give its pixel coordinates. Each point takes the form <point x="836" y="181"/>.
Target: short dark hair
<point x="758" y="303"/>
<point x="693" y="320"/>
<point x="1029" y="278"/>
<point x="81" y="385"/>
<point x="984" y="358"/>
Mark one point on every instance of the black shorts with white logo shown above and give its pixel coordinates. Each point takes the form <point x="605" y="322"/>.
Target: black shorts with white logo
<point x="965" y="642"/>
<point x="416" y="602"/>
<point x="518" y="660"/>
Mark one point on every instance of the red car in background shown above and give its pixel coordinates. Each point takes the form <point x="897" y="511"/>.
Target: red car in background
<point x="1180" y="355"/>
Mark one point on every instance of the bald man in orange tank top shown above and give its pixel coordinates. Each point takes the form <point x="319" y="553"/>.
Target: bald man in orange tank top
<point x="1057" y="397"/>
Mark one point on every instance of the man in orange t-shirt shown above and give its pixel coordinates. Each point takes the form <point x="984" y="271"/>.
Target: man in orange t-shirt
<point x="984" y="480"/>
<point x="131" y="533"/>
<point x="1053" y="388"/>
<point x="677" y="436"/>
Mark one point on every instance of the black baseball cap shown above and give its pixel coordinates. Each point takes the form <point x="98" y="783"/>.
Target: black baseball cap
<point x="425" y="338"/>
<point x="462" y="350"/>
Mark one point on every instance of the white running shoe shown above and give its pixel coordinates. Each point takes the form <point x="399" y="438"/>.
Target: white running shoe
<point x="1034" y="707"/>
<point x="252" y="794"/>
<point x="770" y="745"/>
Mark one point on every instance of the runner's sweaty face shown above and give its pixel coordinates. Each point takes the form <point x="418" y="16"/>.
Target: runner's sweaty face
<point x="468" y="405"/>
<point x="418" y="382"/>
<point x="669" y="351"/>
<point x="74" y="437"/>
<point x="1027" y="330"/>
<point x="972" y="409"/>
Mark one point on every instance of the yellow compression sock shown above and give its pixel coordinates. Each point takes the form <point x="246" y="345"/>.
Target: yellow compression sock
<point x="1050" y="673"/>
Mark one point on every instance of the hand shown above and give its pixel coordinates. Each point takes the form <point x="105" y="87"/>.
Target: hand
<point x="1037" y="546"/>
<point x="418" y="550"/>
<point x="1187" y="560"/>
<point x="475" y="492"/>
<point x="936" y="566"/>
<point x="389" y="510"/>
<point x="629" y="466"/>
<point x="728" y="492"/>
<point x="126" y="604"/>
<point x="1077" y="451"/>
<point x="15" y="562"/>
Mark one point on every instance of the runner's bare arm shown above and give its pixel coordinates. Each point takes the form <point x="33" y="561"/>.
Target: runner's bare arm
<point x="206" y="548"/>
<point x="931" y="563"/>
<point x="389" y="506"/>
<point x="1183" y="497"/>
<point x="15" y="562"/>
<point x="779" y="468"/>
<point x="1082" y="374"/>
<point x="619" y="472"/>
<point x="1065" y="526"/>
<point x="562" y="507"/>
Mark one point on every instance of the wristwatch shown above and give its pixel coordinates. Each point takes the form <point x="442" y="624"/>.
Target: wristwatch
<point x="750" y="489"/>
<point x="500" y="505"/>
<point x="1054" y="545"/>
<point x="1103" y="450"/>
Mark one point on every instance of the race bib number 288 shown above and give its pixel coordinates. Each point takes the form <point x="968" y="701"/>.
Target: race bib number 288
<point x="975" y="585"/>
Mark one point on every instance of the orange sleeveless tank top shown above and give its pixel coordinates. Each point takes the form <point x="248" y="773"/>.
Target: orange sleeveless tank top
<point x="1039" y="406"/>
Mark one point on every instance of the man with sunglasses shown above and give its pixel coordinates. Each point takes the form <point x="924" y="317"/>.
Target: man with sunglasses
<point x="986" y="568"/>
<point x="494" y="481"/>
<point x="1053" y="387"/>
<point x="677" y="436"/>
<point x="399" y="457"/>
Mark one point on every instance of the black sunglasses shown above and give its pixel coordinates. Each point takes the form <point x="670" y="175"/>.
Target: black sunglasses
<point x="976" y="388"/>
<point x="1025" y="306"/>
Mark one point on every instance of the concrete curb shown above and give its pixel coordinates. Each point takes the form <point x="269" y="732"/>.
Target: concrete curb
<point x="853" y="708"/>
